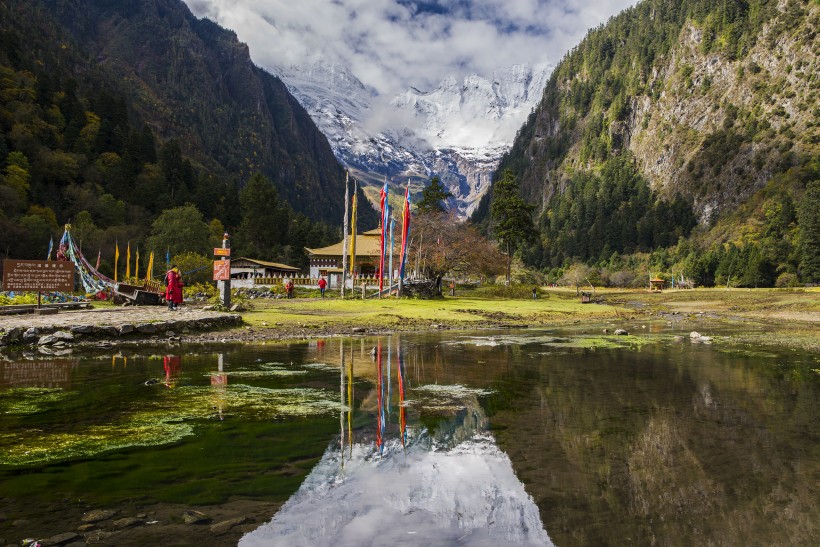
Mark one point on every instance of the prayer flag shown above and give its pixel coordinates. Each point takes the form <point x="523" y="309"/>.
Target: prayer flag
<point x="149" y="271"/>
<point x="381" y="237"/>
<point x="405" y="231"/>
<point x="116" y="259"/>
<point x="128" y="262"/>
<point x="137" y="264"/>
<point x="353" y="229"/>
<point x="168" y="258"/>
<point x="50" y="247"/>
<point x="99" y="255"/>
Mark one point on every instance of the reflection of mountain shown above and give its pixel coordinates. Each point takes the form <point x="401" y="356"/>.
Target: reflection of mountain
<point x="456" y="487"/>
<point x="664" y="446"/>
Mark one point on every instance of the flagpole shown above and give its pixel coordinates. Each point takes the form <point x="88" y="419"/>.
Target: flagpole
<point x="353" y="215"/>
<point x="390" y="269"/>
<point x="344" y="244"/>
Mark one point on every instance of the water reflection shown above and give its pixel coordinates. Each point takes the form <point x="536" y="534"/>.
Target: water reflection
<point x="449" y="485"/>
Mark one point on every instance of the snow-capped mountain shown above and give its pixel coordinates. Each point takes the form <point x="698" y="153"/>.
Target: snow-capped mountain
<point x="457" y="131"/>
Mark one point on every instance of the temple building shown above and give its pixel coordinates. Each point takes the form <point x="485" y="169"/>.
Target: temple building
<point x="327" y="261"/>
<point x="249" y="271"/>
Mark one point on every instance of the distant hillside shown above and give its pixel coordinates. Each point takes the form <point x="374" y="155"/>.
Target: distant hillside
<point x="121" y="109"/>
<point x="698" y="102"/>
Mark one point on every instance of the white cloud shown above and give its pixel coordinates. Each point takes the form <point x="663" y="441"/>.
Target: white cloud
<point x="391" y="45"/>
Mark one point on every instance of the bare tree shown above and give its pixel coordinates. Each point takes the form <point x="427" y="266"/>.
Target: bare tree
<point x="445" y="246"/>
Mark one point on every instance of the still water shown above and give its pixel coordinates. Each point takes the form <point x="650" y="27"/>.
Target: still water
<point x="513" y="438"/>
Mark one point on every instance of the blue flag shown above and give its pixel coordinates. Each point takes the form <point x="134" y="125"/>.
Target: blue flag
<point x="50" y="247"/>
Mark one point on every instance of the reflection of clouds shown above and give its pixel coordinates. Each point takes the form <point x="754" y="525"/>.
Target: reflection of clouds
<point x="452" y="486"/>
<point x="467" y="495"/>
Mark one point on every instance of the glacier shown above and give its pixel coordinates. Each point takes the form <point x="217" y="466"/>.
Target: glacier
<point x="457" y="131"/>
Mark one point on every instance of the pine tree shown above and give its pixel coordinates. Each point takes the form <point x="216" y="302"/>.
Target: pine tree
<point x="511" y="216"/>
<point x="432" y="197"/>
<point x="809" y="225"/>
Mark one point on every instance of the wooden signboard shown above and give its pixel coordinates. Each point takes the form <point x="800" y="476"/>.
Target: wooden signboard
<point x="38" y="275"/>
<point x="219" y="251"/>
<point x="222" y="270"/>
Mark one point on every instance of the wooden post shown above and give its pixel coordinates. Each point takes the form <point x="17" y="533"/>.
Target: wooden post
<point x="224" y="287"/>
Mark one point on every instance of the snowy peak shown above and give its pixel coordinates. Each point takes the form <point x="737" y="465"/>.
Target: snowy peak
<point x="476" y="112"/>
<point x="458" y="131"/>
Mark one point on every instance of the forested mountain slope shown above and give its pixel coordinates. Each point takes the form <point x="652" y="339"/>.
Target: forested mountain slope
<point x="675" y="108"/>
<point x="121" y="109"/>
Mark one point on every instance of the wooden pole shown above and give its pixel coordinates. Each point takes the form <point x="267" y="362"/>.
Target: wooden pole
<point x="344" y="244"/>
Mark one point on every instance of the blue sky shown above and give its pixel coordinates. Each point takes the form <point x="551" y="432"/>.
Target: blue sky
<point x="393" y="44"/>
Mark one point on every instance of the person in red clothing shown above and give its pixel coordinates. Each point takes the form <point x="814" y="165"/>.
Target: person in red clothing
<point x="322" y="286"/>
<point x="173" y="290"/>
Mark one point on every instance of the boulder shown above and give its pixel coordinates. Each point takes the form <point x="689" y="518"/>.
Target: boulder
<point x="694" y="335"/>
<point x="31" y="335"/>
<point x="64" y="336"/>
<point x="106" y="330"/>
<point x="126" y="522"/>
<point x="46" y="340"/>
<point x="146" y="328"/>
<point x="82" y="329"/>
<point x="226" y="525"/>
<point x="126" y="329"/>
<point x="12" y="336"/>
<point x="195" y="517"/>
<point x="59" y="539"/>
<point x="98" y="515"/>
<point x="621" y="332"/>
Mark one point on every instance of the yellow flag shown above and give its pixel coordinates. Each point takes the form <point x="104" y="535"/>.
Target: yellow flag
<point x="137" y="265"/>
<point x="149" y="271"/>
<point x="116" y="258"/>
<point x="128" y="262"/>
<point x="353" y="231"/>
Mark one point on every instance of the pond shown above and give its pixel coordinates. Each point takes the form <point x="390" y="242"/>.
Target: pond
<point x="487" y="438"/>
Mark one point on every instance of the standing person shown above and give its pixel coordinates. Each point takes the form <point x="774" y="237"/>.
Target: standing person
<point x="322" y="286"/>
<point x="173" y="290"/>
<point x="289" y="288"/>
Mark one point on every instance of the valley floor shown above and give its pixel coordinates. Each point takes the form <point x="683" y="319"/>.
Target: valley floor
<point x="768" y="316"/>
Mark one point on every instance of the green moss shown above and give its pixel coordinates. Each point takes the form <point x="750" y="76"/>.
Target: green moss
<point x="30" y="400"/>
<point x="166" y="420"/>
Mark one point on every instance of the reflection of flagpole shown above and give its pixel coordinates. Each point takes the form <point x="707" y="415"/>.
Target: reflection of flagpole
<point x="342" y="399"/>
<point x="350" y="403"/>
<point x="389" y="364"/>
<point x="402" y="410"/>
<point x="380" y="398"/>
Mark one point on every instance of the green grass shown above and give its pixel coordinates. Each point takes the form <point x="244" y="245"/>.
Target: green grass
<point x="453" y="311"/>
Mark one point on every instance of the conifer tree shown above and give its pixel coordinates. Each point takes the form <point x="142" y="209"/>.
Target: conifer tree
<point x="511" y="216"/>
<point x="809" y="224"/>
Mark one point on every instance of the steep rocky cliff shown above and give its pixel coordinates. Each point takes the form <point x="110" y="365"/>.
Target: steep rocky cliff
<point x="711" y="98"/>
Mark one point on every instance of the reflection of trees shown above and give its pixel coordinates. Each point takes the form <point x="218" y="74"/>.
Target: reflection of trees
<point x="654" y="447"/>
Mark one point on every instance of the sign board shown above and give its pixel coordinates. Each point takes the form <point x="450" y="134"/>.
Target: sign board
<point x="219" y="251"/>
<point x="222" y="270"/>
<point x="38" y="275"/>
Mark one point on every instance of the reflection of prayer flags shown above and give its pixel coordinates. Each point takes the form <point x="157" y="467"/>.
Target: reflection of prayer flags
<point x="128" y="261"/>
<point x="116" y="258"/>
<point x="353" y="230"/>
<point x="50" y="247"/>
